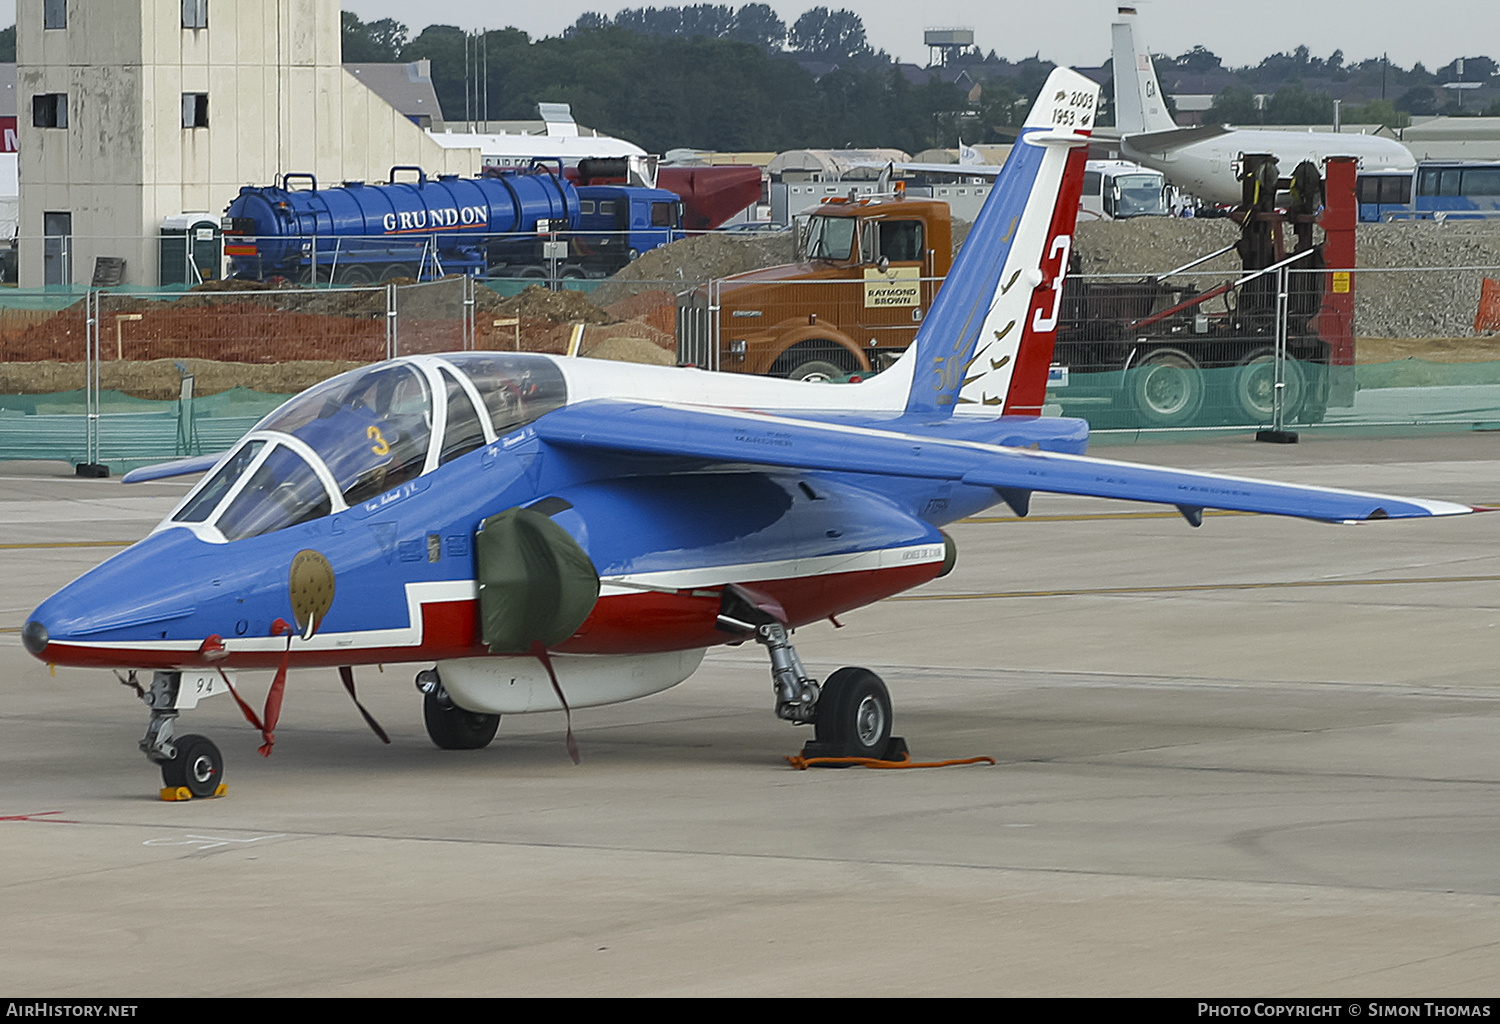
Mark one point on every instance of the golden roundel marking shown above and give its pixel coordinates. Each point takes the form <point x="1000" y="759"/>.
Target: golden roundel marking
<point x="312" y="590"/>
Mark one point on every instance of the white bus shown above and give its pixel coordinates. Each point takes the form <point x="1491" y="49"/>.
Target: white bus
<point x="1118" y="189"/>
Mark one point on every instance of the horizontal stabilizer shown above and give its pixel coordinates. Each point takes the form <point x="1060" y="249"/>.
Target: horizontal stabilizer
<point x="735" y="437"/>
<point x="1172" y="139"/>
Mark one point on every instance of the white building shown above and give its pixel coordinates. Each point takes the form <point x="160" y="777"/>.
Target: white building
<point x="133" y="110"/>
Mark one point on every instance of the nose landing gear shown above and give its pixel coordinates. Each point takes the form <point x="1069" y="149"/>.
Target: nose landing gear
<point x="191" y="765"/>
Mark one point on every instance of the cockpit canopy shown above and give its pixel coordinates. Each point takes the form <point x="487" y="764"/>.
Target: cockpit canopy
<point x="365" y="432"/>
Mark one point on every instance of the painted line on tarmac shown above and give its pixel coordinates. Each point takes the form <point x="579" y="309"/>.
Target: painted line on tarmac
<point x="1192" y="588"/>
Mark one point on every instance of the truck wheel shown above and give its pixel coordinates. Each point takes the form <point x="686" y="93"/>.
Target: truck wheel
<point x="1166" y="387"/>
<point x="1253" y="389"/>
<point x="355" y="273"/>
<point x="398" y="270"/>
<point x="813" y="361"/>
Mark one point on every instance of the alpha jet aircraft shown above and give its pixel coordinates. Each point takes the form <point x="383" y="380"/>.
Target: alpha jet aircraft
<point x="547" y="533"/>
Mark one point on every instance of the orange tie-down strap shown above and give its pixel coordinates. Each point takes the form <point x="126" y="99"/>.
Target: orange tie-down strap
<point x="803" y="763"/>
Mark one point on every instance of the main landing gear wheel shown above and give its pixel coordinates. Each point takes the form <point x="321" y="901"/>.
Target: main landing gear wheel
<point x="198" y="766"/>
<point x="854" y="715"/>
<point x="451" y="727"/>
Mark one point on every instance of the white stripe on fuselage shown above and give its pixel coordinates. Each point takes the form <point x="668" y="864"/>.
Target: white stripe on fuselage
<point x="446" y="591"/>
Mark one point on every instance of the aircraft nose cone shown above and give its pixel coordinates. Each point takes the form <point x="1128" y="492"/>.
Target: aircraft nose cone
<point x="34" y="637"/>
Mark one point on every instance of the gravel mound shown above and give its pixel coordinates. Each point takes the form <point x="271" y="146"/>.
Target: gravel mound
<point x="713" y="255"/>
<point x="1438" y="301"/>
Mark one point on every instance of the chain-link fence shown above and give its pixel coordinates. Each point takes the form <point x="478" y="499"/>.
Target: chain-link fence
<point x="116" y="377"/>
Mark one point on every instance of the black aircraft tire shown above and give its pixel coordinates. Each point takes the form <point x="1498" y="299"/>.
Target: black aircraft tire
<point x="198" y="766"/>
<point x="453" y="728"/>
<point x="854" y="713"/>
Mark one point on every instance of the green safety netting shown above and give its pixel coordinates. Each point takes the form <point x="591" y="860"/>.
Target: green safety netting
<point x="1406" y="392"/>
<point x="131" y="430"/>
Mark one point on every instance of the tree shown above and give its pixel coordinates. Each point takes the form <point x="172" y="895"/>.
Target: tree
<point x="377" y="42"/>
<point x="712" y="21"/>
<point x="760" y="26"/>
<point x="1198" y="61"/>
<point x="444" y="46"/>
<point x="1417" y="100"/>
<point x="1235" y="105"/>
<point x="1381" y="112"/>
<point x="1476" y="69"/>
<point x="1297" y="104"/>
<point x="830" y="35"/>
<point x="588" y="21"/>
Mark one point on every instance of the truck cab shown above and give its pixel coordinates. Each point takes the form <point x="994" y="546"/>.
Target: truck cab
<point x="617" y="223"/>
<point x="865" y="275"/>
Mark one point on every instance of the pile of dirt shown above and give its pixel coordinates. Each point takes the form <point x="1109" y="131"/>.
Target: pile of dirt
<point x="1422" y="277"/>
<point x="627" y="349"/>
<point x="537" y="303"/>
<point x="1154" y="245"/>
<point x="1482" y="349"/>
<point x="232" y="331"/>
<point x="701" y="257"/>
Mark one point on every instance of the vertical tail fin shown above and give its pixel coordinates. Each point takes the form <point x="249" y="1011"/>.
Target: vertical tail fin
<point x="1139" y="104"/>
<point x="997" y="310"/>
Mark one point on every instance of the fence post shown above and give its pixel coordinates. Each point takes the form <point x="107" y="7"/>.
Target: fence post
<point x="392" y="341"/>
<point x="1278" y="434"/>
<point x="712" y="362"/>
<point x="471" y="286"/>
<point x="91" y="378"/>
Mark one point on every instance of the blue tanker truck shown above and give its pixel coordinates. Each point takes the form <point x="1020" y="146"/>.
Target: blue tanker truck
<point x="508" y="223"/>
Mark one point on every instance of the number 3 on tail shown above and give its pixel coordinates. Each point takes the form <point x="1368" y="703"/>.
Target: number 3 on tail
<point x="1062" y="246"/>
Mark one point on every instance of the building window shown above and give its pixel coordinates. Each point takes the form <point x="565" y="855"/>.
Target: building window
<point x="54" y="14"/>
<point x="49" y="110"/>
<point x="195" y="13"/>
<point x="195" y="110"/>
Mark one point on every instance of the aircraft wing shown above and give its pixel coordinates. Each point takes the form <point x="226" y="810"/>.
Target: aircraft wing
<point x="744" y="437"/>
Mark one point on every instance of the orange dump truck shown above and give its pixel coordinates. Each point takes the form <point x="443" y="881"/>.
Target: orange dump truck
<point x="865" y="276"/>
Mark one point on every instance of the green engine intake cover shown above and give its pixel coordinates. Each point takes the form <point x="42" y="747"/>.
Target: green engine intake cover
<point x="536" y="585"/>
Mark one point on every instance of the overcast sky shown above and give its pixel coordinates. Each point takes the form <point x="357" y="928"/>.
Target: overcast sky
<point x="1069" y="31"/>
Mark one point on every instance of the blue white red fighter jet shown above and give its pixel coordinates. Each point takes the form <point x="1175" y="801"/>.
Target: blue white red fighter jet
<point x="547" y="533"/>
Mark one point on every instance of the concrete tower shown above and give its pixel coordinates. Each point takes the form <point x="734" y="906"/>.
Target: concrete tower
<point x="133" y="110"/>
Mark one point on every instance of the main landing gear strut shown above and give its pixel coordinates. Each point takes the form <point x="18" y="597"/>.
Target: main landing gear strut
<point x="850" y="711"/>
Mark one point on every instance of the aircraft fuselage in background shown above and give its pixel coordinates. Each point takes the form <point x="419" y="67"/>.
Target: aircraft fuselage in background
<point x="1204" y="161"/>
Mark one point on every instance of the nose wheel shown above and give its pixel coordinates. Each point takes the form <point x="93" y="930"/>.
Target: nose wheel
<point x="197" y="767"/>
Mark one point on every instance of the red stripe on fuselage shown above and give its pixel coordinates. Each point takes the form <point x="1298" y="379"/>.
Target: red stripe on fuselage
<point x="635" y="623"/>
